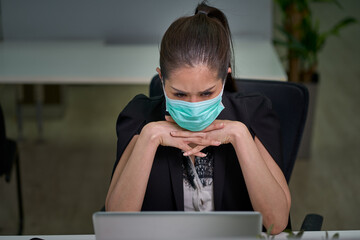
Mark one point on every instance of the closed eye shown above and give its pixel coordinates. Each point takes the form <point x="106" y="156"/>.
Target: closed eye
<point x="179" y="95"/>
<point x="206" y="94"/>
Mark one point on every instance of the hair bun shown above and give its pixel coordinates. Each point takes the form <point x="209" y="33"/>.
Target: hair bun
<point x="201" y="12"/>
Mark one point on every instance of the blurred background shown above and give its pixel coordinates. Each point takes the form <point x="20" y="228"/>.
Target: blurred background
<point x="66" y="173"/>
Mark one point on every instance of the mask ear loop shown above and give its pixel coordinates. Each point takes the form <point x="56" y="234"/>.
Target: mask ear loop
<point x="163" y="86"/>
<point x="223" y="87"/>
<point x="222" y="92"/>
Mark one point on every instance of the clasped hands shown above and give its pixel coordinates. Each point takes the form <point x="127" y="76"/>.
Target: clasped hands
<point x="168" y="133"/>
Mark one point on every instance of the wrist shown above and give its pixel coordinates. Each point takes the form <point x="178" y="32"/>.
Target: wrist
<point x="238" y="132"/>
<point x="150" y="134"/>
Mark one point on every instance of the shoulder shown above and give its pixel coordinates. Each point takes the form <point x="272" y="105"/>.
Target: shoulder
<point x="140" y="111"/>
<point x="142" y="102"/>
<point x="249" y="105"/>
<point x="142" y="106"/>
<point x="253" y="99"/>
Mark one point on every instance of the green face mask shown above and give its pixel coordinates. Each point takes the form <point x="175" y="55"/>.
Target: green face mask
<point x="194" y="116"/>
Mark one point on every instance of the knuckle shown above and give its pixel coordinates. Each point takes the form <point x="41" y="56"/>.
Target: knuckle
<point x="202" y="134"/>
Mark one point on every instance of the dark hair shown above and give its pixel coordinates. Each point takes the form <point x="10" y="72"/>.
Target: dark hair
<point x="203" y="38"/>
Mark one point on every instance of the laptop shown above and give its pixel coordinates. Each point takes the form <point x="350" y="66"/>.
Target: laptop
<point x="176" y="225"/>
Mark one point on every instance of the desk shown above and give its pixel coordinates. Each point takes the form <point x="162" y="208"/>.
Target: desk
<point x="50" y="237"/>
<point x="355" y="234"/>
<point x="95" y="62"/>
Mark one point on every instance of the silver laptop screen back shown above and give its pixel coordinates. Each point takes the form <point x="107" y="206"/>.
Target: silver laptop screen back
<point x="176" y="225"/>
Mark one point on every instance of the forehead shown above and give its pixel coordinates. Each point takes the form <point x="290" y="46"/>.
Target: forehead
<point x="193" y="78"/>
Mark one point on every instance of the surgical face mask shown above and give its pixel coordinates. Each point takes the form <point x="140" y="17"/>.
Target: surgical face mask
<point x="194" y="116"/>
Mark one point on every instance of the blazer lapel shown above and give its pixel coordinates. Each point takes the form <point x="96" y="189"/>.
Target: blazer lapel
<point x="220" y="158"/>
<point x="174" y="157"/>
<point x="219" y="176"/>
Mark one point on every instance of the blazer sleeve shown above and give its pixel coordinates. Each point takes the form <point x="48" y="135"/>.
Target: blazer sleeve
<point x="129" y="123"/>
<point x="265" y="125"/>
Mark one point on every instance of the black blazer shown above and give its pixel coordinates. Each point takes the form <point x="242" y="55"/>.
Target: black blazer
<point x="165" y="187"/>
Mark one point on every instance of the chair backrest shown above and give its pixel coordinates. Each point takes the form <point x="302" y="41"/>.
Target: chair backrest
<point x="2" y="126"/>
<point x="2" y="143"/>
<point x="289" y="101"/>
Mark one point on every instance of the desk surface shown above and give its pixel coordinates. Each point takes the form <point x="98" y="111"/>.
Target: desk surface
<point x="94" y="62"/>
<point x="354" y="234"/>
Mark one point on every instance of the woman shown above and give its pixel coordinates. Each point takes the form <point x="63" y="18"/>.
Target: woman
<point x="198" y="147"/>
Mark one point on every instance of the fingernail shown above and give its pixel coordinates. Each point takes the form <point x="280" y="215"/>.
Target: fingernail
<point x="185" y="154"/>
<point x="217" y="142"/>
<point x="203" y="155"/>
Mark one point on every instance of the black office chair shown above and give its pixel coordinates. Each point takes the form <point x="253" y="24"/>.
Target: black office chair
<point x="290" y="102"/>
<point x="9" y="156"/>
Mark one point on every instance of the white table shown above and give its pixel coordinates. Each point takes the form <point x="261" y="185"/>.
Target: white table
<point x="344" y="234"/>
<point x="95" y="62"/>
<point x="355" y="234"/>
<point x="49" y="237"/>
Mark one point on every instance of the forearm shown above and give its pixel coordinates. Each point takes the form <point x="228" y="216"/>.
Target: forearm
<point x="128" y="190"/>
<point x="120" y="167"/>
<point x="266" y="193"/>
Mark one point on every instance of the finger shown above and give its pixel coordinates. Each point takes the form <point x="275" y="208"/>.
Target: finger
<point x="169" y="118"/>
<point x="184" y="147"/>
<point x="198" y="138"/>
<point x="203" y="141"/>
<point x="195" y="151"/>
<point x="214" y="126"/>
<point x="187" y="134"/>
<point x="199" y="154"/>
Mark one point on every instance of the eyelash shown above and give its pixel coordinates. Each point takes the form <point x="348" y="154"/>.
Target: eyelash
<point x="206" y="94"/>
<point x="181" y="95"/>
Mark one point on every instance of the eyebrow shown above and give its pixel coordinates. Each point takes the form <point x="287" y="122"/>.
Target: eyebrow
<point x="199" y="92"/>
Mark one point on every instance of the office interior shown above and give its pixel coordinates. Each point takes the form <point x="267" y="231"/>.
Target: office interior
<point x="65" y="176"/>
